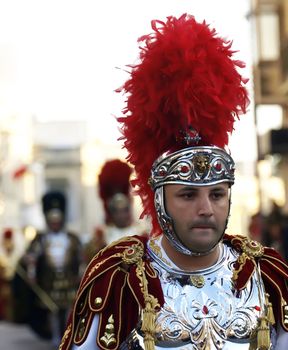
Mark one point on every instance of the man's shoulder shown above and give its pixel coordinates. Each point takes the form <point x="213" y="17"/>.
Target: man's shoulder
<point x="119" y="273"/>
<point x="127" y="250"/>
<point x="252" y="255"/>
<point x="252" y="249"/>
<point x="243" y="244"/>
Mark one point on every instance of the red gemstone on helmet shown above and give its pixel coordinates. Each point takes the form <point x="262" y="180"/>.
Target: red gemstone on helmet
<point x="218" y="166"/>
<point x="184" y="169"/>
<point x="257" y="308"/>
<point x="162" y="173"/>
<point x="205" y="310"/>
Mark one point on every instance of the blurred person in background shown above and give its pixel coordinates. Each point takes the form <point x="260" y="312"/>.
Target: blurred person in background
<point x="189" y="285"/>
<point x="10" y="253"/>
<point x="53" y="264"/>
<point x="275" y="230"/>
<point x="256" y="226"/>
<point x="115" y="191"/>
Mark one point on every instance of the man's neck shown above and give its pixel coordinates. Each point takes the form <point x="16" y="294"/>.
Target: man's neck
<point x="187" y="262"/>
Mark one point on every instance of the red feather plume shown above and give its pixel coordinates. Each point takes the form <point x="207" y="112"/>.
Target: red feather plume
<point x="186" y="77"/>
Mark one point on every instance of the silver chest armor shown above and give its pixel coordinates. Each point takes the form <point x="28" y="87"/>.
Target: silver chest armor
<point x="202" y="310"/>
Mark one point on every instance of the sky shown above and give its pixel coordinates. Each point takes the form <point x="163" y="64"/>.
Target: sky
<point x="63" y="59"/>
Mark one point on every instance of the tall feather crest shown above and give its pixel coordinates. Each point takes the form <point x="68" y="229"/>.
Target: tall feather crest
<point x="186" y="77"/>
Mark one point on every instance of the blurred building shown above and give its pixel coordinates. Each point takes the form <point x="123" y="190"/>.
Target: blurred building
<point x="36" y="157"/>
<point x="269" y="20"/>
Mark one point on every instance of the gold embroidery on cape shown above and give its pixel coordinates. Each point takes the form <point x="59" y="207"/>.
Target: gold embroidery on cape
<point x="133" y="254"/>
<point x="109" y="334"/>
<point x="285" y="312"/>
<point x="95" y="268"/>
<point x="65" y="336"/>
<point x="241" y="261"/>
<point x="251" y="249"/>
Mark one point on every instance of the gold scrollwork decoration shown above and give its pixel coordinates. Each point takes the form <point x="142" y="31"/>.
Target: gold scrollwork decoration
<point x="133" y="254"/>
<point x="252" y="248"/>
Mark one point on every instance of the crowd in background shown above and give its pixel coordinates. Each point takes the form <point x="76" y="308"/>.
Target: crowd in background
<point x="38" y="282"/>
<point x="271" y="230"/>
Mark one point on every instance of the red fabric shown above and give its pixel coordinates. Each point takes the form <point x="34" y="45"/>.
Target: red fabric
<point x="7" y="233"/>
<point x="19" y="172"/>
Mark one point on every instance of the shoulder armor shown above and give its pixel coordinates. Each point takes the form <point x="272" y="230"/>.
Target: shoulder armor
<point x="118" y="273"/>
<point x="273" y="269"/>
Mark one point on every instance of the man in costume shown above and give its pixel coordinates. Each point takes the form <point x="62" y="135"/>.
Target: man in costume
<point x="52" y="263"/>
<point x="189" y="285"/>
<point x="115" y="191"/>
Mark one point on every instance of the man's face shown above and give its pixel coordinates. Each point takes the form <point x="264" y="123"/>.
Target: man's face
<point x="55" y="220"/>
<point x="121" y="217"/>
<point x="199" y="214"/>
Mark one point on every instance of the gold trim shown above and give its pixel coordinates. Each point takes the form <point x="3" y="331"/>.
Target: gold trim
<point x="133" y="254"/>
<point x="65" y="336"/>
<point x="241" y="261"/>
<point x="252" y="248"/>
<point x="285" y="313"/>
<point x="109" y="335"/>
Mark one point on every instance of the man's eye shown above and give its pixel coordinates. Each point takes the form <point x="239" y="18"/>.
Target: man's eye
<point x="218" y="195"/>
<point x="188" y="195"/>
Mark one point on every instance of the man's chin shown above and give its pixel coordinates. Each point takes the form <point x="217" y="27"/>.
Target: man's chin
<point x="202" y="247"/>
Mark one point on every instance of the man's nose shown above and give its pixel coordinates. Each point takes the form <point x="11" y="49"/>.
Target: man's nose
<point x="205" y="206"/>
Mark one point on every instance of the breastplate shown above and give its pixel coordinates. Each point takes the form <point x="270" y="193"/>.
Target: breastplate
<point x="202" y="310"/>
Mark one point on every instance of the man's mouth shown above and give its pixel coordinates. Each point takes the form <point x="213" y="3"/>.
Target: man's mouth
<point x="203" y="226"/>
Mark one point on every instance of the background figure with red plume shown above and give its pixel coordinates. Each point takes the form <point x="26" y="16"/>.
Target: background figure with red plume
<point x="190" y="285"/>
<point x="114" y="189"/>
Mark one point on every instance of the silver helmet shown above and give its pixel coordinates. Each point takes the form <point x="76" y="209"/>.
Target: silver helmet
<point x="192" y="166"/>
